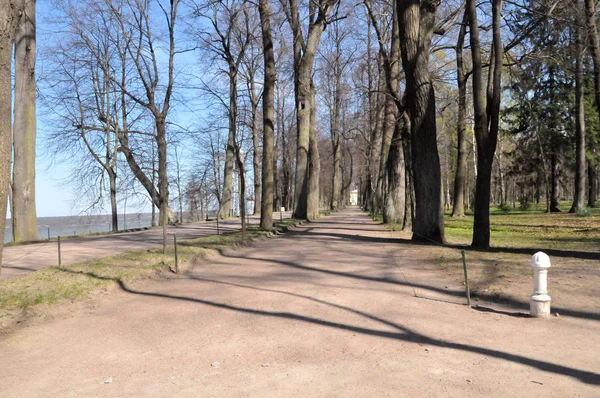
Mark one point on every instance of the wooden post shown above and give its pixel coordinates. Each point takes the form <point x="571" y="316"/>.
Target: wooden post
<point x="59" y="259"/>
<point x="48" y="233"/>
<point x="468" y="291"/>
<point x="176" y="259"/>
<point x="217" y="224"/>
<point x="164" y="232"/>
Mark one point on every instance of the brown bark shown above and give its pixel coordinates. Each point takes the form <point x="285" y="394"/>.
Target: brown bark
<point x="23" y="212"/>
<point x="255" y="144"/>
<point x="594" y="41"/>
<point x="395" y="195"/>
<point x="486" y="119"/>
<point x="458" y="208"/>
<point x="266" y="215"/>
<point x="304" y="55"/>
<point x="579" y="191"/>
<point x="225" y="204"/>
<point x="555" y="183"/>
<point x="392" y="108"/>
<point x="416" y="28"/>
<point x="314" y="164"/>
<point x="10" y="11"/>
<point x="593" y="183"/>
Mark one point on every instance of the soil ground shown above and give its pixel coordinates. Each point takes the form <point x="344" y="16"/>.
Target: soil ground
<point x="338" y="307"/>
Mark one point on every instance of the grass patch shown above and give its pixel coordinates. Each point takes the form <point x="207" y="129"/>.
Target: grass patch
<point x="53" y="284"/>
<point x="560" y="231"/>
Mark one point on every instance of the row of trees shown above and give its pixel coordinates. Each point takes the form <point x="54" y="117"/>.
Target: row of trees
<point x="417" y="105"/>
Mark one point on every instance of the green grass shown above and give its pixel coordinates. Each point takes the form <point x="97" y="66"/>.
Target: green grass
<point x="53" y="284"/>
<point x="533" y="228"/>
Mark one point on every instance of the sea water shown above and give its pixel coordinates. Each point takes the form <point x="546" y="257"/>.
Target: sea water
<point x="81" y="225"/>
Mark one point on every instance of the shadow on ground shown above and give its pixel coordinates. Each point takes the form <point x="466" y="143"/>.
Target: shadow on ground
<point x="400" y="332"/>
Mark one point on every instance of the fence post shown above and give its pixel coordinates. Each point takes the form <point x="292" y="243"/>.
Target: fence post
<point x="59" y="257"/>
<point x="176" y="259"/>
<point x="468" y="291"/>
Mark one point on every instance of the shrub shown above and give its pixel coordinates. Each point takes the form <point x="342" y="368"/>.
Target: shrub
<point x="583" y="212"/>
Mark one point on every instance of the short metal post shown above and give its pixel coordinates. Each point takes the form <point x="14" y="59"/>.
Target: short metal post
<point x="48" y="233"/>
<point x="539" y="305"/>
<point x="59" y="257"/>
<point x="281" y="214"/>
<point x="468" y="291"/>
<point x="176" y="259"/>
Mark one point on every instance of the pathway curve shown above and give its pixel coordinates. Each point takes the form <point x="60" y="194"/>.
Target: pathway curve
<point x="333" y="308"/>
<point x="20" y="260"/>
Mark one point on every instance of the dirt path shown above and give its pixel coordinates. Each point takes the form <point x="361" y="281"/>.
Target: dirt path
<point x="22" y="259"/>
<point x="334" y="308"/>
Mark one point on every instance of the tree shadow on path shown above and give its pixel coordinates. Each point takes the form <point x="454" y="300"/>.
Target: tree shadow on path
<point x="517" y="304"/>
<point x="400" y="332"/>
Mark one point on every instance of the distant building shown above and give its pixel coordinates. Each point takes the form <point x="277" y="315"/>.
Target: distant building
<point x="354" y="197"/>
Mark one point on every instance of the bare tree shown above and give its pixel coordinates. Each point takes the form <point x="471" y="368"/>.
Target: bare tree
<point x="487" y="118"/>
<point x="458" y="207"/>
<point x="305" y="50"/>
<point x="266" y="214"/>
<point x="230" y="22"/>
<point x="136" y="27"/>
<point x="579" y="189"/>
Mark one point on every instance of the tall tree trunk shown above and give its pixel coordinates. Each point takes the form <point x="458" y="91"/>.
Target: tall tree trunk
<point x="336" y="193"/>
<point x="458" y="208"/>
<point x="226" y="210"/>
<point x="266" y="214"/>
<point x="395" y="195"/>
<point x="486" y="120"/>
<point x="314" y="164"/>
<point x="555" y="183"/>
<point x="113" y="201"/>
<point x="9" y="12"/>
<point x="592" y="31"/>
<point x="579" y="192"/>
<point x="255" y="146"/>
<point x="303" y="139"/>
<point x="416" y="28"/>
<point x="593" y="183"/>
<point x="24" y="219"/>
<point x="304" y="56"/>
<point x="163" y="178"/>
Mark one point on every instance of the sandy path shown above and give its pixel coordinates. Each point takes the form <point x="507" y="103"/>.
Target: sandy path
<point x="22" y="259"/>
<point x="327" y="310"/>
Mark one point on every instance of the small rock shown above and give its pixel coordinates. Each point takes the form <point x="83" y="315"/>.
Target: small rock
<point x="469" y="381"/>
<point x="446" y="287"/>
<point x="426" y="349"/>
<point x="108" y="381"/>
<point x="557" y="315"/>
<point x="215" y="364"/>
<point x="266" y="365"/>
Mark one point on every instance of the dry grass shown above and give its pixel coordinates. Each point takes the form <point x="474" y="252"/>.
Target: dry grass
<point x="503" y="273"/>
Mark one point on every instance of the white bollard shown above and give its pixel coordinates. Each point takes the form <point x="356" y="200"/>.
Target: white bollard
<point x="540" y="301"/>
